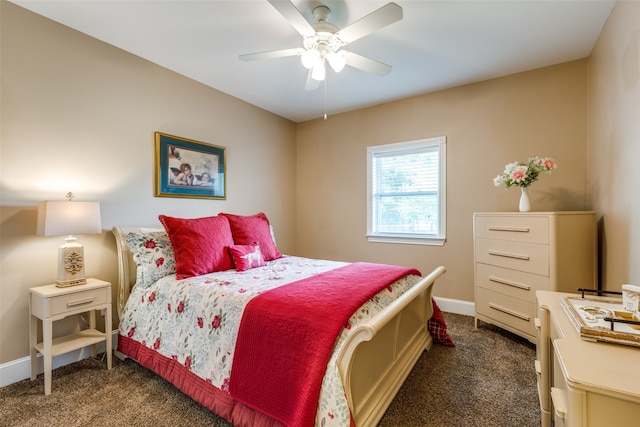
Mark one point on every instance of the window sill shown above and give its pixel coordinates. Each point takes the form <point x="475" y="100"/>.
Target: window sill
<point x="406" y="240"/>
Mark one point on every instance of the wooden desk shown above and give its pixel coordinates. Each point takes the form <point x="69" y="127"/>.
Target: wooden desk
<point x="582" y="383"/>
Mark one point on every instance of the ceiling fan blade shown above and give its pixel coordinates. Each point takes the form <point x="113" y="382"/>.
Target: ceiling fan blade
<point x="379" y="18"/>
<point x="293" y="15"/>
<point x="367" y="64"/>
<point x="271" y="54"/>
<point x="311" y="84"/>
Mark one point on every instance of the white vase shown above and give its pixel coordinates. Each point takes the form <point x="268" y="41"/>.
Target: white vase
<point x="525" y="204"/>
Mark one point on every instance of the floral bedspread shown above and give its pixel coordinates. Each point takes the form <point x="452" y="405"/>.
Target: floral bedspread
<point x="195" y="321"/>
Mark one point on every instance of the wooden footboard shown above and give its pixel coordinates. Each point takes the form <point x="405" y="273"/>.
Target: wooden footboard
<point x="379" y="354"/>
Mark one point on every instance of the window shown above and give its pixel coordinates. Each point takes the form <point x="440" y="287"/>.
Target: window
<point x="406" y="192"/>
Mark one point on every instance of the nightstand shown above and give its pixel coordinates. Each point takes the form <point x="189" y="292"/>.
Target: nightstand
<point x="50" y="303"/>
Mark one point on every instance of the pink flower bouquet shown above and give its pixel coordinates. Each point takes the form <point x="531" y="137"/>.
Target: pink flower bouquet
<point x="524" y="174"/>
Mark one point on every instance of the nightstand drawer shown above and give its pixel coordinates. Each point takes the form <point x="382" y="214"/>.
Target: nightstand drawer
<point x="528" y="257"/>
<point x="77" y="301"/>
<point x="518" y="284"/>
<point x="511" y="311"/>
<point x="520" y="228"/>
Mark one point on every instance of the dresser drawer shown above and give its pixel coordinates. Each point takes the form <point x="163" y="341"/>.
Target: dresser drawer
<point x="514" y="312"/>
<point x="528" y="257"/>
<point x="517" y="284"/>
<point x="77" y="301"/>
<point x="518" y="228"/>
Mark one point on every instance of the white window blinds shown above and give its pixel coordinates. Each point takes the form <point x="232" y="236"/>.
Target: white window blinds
<point x="406" y="191"/>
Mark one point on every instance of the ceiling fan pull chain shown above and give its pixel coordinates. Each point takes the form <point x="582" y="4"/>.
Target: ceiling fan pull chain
<point x="325" y="99"/>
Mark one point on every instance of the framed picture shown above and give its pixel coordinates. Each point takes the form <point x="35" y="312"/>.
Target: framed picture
<point x="188" y="168"/>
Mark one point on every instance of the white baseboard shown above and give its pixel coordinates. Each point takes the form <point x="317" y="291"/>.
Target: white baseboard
<point x="20" y="369"/>
<point x="456" y="306"/>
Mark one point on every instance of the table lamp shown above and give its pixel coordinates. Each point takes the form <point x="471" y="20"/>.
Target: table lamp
<point x="69" y="218"/>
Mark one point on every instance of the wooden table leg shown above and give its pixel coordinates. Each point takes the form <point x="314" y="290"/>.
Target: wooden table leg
<point x="107" y="330"/>
<point x="33" y="337"/>
<point x="47" y="342"/>
<point x="92" y="325"/>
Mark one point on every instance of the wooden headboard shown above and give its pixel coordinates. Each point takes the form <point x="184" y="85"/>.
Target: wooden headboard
<point x="126" y="264"/>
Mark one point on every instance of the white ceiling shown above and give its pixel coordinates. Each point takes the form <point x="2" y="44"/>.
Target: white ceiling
<point x="437" y="44"/>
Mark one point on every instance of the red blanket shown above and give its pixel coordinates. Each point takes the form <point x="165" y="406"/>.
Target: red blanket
<point x="287" y="335"/>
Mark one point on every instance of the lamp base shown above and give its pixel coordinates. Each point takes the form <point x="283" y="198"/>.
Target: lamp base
<point x="70" y="264"/>
<point x="67" y="283"/>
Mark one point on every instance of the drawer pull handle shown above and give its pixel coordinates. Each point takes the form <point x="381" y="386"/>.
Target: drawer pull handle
<point x="508" y="255"/>
<point x="509" y="229"/>
<point x="509" y="283"/>
<point x="559" y="402"/>
<point x="509" y="312"/>
<point x="81" y="302"/>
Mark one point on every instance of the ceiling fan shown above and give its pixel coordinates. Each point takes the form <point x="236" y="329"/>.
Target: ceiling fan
<point x="323" y="41"/>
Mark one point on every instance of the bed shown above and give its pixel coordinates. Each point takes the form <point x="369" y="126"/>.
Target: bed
<point x="195" y="329"/>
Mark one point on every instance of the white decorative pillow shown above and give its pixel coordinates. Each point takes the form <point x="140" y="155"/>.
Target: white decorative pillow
<point x="153" y="254"/>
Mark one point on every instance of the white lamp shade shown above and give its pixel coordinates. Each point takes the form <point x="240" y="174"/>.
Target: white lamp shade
<point x="337" y="60"/>
<point x="310" y="58"/>
<point x="318" y="71"/>
<point x="67" y="218"/>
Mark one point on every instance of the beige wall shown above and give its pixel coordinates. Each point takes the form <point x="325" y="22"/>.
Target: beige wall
<point x="614" y="143"/>
<point x="79" y="115"/>
<point x="487" y="125"/>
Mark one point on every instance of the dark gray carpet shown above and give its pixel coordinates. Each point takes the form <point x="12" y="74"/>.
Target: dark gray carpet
<point x="488" y="379"/>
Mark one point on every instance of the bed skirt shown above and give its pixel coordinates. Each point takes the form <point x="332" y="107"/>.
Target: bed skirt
<point x="216" y="400"/>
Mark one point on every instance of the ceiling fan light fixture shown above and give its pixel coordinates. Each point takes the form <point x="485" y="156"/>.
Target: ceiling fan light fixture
<point x="337" y="60"/>
<point x="322" y="40"/>
<point x="318" y="72"/>
<point x="310" y="58"/>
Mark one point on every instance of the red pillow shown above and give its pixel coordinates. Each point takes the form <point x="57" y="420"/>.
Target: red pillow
<point x="246" y="257"/>
<point x="199" y="244"/>
<point x="247" y="230"/>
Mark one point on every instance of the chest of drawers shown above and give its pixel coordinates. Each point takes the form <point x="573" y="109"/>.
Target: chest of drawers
<point x="519" y="253"/>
